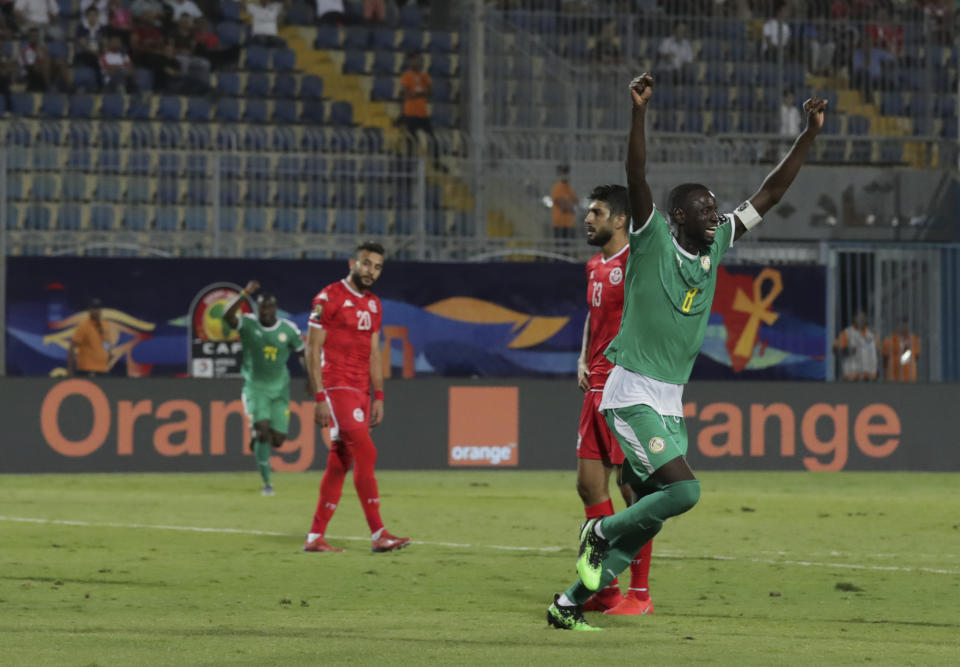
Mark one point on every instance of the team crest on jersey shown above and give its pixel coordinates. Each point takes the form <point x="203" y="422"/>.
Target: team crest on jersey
<point x="616" y="275"/>
<point x="705" y="262"/>
<point x="282" y="337"/>
<point x="656" y="445"/>
<point x="373" y="306"/>
<point x="358" y="414"/>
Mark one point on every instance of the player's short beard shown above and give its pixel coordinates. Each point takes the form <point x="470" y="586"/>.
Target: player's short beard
<point x="357" y="281"/>
<point x="600" y="237"/>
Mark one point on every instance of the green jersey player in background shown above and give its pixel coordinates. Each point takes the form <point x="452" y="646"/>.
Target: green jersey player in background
<point x="668" y="291"/>
<point x="267" y="343"/>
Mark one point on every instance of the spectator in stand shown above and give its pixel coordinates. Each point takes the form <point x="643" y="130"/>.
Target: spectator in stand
<point x="416" y="88"/>
<point x="7" y="21"/>
<point x="184" y="7"/>
<point x="151" y="50"/>
<point x="194" y="68"/>
<point x="265" y="18"/>
<point x="120" y="21"/>
<point x="100" y="5"/>
<point x="606" y="50"/>
<point x="150" y="12"/>
<point x="885" y="34"/>
<point x="900" y="352"/>
<point x="208" y="46"/>
<point x="564" y="205"/>
<point x="41" y="72"/>
<point x="116" y="68"/>
<point x="857" y="347"/>
<point x="374" y="11"/>
<point x="871" y="67"/>
<point x="90" y="34"/>
<point x="331" y="11"/>
<point x="789" y="115"/>
<point x="676" y="54"/>
<point x="90" y="346"/>
<point x="776" y="35"/>
<point x="7" y="74"/>
<point x="39" y="14"/>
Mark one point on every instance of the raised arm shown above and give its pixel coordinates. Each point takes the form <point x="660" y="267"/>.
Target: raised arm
<point x="777" y="182"/>
<point x="641" y="198"/>
<point x="583" y="369"/>
<point x="231" y="315"/>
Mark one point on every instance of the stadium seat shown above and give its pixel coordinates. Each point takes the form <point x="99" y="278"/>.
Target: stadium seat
<point x="721" y="123"/>
<point x="858" y="125"/>
<point x="346" y="222"/>
<point x="258" y="85"/>
<point x="300" y="14"/>
<point x="170" y="108"/>
<point x="285" y="85"/>
<point x="108" y="188"/>
<point x="375" y="222"/>
<point x="112" y="106"/>
<point x="254" y="220"/>
<point x="199" y="137"/>
<point x="196" y="164"/>
<point x="384" y="88"/>
<point x="109" y="160"/>
<point x="23" y="104"/>
<point x="283" y="60"/>
<point x="412" y="40"/>
<point x="255" y="139"/>
<point x="227" y="83"/>
<point x="139" y="162"/>
<point x="861" y="151"/>
<point x="287" y="221"/>
<point x="284" y="138"/>
<point x="357" y="37"/>
<point x="43" y="187"/>
<point x="44" y="158"/>
<point x="284" y="111"/>
<point x="229" y="193"/>
<point x="313" y="112"/>
<point x="231" y="10"/>
<point x="85" y="78"/>
<point x="168" y="190"/>
<point x="79" y="133"/>
<point x="228" y="219"/>
<point x="167" y="219"/>
<point x="316" y="194"/>
<point x="195" y="219"/>
<point x="441" y="41"/>
<point x="384" y="62"/>
<point x="316" y="221"/>
<point x="198" y="109"/>
<point x="69" y="217"/>
<point x="230" y="165"/>
<point x="144" y="80"/>
<point x="311" y="87"/>
<point x="256" y="58"/>
<point x="384" y="39"/>
<point x="140" y="108"/>
<point x="37" y="216"/>
<point x="170" y="135"/>
<point x="231" y="33"/>
<point x="411" y="16"/>
<point x="355" y="62"/>
<point x="197" y="190"/>
<point x="255" y="111"/>
<point x="228" y="110"/>
<point x="135" y="218"/>
<point x="81" y="106"/>
<point x="328" y="37"/>
<point x="718" y="98"/>
<point x="58" y="50"/>
<point x="288" y="192"/>
<point x="53" y="105"/>
<point x="101" y="218"/>
<point x="80" y="158"/>
<point x="140" y="190"/>
<point x="341" y="114"/>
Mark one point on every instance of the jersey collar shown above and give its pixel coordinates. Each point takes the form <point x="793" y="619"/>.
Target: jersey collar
<point x="270" y="328"/>
<point x="680" y="249"/>
<point x="615" y="255"/>
<point x="350" y="287"/>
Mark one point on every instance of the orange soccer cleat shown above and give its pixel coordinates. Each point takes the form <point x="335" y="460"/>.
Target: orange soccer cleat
<point x="388" y="542"/>
<point x="632" y="606"/>
<point x="319" y="545"/>
<point x="608" y="598"/>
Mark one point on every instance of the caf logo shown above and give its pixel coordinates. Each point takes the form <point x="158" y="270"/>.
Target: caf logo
<point x="656" y="445"/>
<point x="616" y="276"/>
<point x="358" y="414"/>
<point x="705" y="262"/>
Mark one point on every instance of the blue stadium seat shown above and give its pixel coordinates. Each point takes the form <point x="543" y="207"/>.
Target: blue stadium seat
<point x="109" y="160"/>
<point x="256" y="58"/>
<point x="317" y="194"/>
<point x="108" y="188"/>
<point x="689" y="98"/>
<point x="227" y="83"/>
<point x="255" y="139"/>
<point x="101" y="218"/>
<point x="712" y="50"/>
<point x="355" y="62"/>
<point x="300" y="14"/>
<point x="144" y="80"/>
<point x="384" y="38"/>
<point x="196" y="164"/>
<point x="316" y="221"/>
<point x="228" y="220"/>
<point x="923" y="127"/>
<point x="43" y="188"/>
<point x="138" y="162"/>
<point x="13" y="216"/>
<point x="254" y="220"/>
<point x="167" y="219"/>
<point x="443" y="91"/>
<point x="744" y="74"/>
<point x="328" y="37"/>
<point x="14" y="186"/>
<point x="198" y="109"/>
<point x="170" y="108"/>
<point x="170" y="135"/>
<point x="197" y="191"/>
<point x="384" y="88"/>
<point x="195" y="219"/>
<point x="283" y="60"/>
<point x="37" y="217"/>
<point x="341" y="114"/>
<point x="168" y="190"/>
<point x="441" y="41"/>
<point x="892" y="104"/>
<point x="231" y="33"/>
<point x="81" y="106"/>
<point x="833" y="151"/>
<point x="50" y="132"/>
<point x="357" y="37"/>
<point x="375" y="222"/>
<point x="69" y="217"/>
<point x="721" y="123"/>
<point x="285" y="85"/>
<point x="229" y="193"/>
<point x="112" y="106"/>
<point x="258" y="85"/>
<point x="255" y="111"/>
<point x="85" y="78"/>
<point x="284" y="111"/>
<point x="199" y="137"/>
<point x="384" y="62"/>
<point x="716" y="74"/>
<point x="134" y="218"/>
<point x="288" y="192"/>
<point x="228" y="109"/>
<point x="313" y="112"/>
<point x="287" y="221"/>
<point x="141" y="135"/>
<point x="289" y="167"/>
<point x="110" y="134"/>
<point x="831" y="124"/>
<point x="231" y="166"/>
<point x="411" y="16"/>
<point x="284" y="138"/>
<point x="861" y="151"/>
<point x="58" y="50"/>
<point x="315" y="167"/>
<point x="412" y="40"/>
<point x="53" y="105"/>
<point x="665" y="122"/>
<point x="139" y="190"/>
<point x="23" y="104"/>
<point x="45" y="158"/>
<point x="346" y="222"/>
<point x="140" y="108"/>
<point x="231" y="10"/>
<point x="858" y="125"/>
<point x="769" y="101"/>
<point x="79" y="133"/>
<point x="718" y="97"/>
<point x="311" y="87"/>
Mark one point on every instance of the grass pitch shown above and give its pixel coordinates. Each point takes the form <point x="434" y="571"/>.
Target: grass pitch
<point x="198" y="569"/>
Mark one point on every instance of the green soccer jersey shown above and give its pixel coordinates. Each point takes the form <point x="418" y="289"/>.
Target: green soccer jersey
<point x="266" y="350"/>
<point x="666" y="304"/>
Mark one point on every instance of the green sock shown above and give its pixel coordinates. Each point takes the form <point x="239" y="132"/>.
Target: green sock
<point x="629" y="529"/>
<point x="261" y="452"/>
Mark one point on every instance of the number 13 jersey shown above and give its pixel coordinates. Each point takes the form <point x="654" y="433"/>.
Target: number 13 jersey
<point x="350" y="320"/>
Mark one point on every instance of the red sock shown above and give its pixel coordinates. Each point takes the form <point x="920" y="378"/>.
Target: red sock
<point x="640" y="573"/>
<point x="331" y="487"/>
<point x="596" y="511"/>
<point x="364" y="480"/>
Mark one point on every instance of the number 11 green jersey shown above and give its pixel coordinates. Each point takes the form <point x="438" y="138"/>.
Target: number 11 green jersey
<point x="667" y="297"/>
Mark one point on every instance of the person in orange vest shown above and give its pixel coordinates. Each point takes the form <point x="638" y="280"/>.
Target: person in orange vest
<point x="900" y="352"/>
<point x="564" y="204"/>
<point x="89" y="352"/>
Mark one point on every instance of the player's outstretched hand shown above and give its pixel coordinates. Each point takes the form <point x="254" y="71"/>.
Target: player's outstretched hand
<point x="641" y="89"/>
<point x="814" y="108"/>
<point x="251" y="287"/>
<point x="376" y="412"/>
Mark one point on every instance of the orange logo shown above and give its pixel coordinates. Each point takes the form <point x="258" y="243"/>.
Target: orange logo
<point x="484" y="426"/>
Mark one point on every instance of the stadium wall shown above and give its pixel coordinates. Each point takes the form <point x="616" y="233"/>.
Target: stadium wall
<point x="166" y="425"/>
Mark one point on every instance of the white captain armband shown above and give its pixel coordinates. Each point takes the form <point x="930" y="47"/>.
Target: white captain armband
<point x="748" y="215"/>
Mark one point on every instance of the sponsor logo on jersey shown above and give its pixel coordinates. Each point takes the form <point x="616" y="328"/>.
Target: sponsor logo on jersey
<point x="705" y="262"/>
<point x="348" y="303"/>
<point x="358" y="414"/>
<point x="282" y="337"/>
<point x="372" y="306"/>
<point x="616" y="276"/>
<point x="323" y="297"/>
<point x="656" y="445"/>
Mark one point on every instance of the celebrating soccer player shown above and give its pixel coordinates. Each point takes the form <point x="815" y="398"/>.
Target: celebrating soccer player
<point x="670" y="281"/>
<point x="598" y="454"/>
<point x="343" y="360"/>
<point x="267" y="343"/>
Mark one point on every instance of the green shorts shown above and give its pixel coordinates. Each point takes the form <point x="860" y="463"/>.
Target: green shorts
<point x="268" y="404"/>
<point x="648" y="440"/>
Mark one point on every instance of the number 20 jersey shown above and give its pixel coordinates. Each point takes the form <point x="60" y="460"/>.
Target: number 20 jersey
<point x="350" y="320"/>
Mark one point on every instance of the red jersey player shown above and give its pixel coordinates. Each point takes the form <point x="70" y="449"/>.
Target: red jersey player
<point x="343" y="353"/>
<point x="598" y="453"/>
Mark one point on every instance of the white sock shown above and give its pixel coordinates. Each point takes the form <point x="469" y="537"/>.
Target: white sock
<point x="564" y="601"/>
<point x="312" y="536"/>
<point x="598" y="530"/>
<point x="376" y="536"/>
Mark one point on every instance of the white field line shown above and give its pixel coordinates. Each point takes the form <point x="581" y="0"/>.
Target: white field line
<point x="673" y="555"/>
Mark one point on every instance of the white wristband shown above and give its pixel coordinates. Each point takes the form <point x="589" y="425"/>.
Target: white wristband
<point x="748" y="215"/>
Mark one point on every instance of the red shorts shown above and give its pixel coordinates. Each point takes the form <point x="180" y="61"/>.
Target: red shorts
<point x="594" y="439"/>
<point x="350" y="410"/>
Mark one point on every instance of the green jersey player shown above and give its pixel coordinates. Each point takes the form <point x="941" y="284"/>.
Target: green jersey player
<point x="670" y="280"/>
<point x="267" y="344"/>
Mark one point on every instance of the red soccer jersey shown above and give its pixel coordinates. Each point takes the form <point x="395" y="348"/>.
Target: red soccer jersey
<point x="605" y="300"/>
<point x="350" y="320"/>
